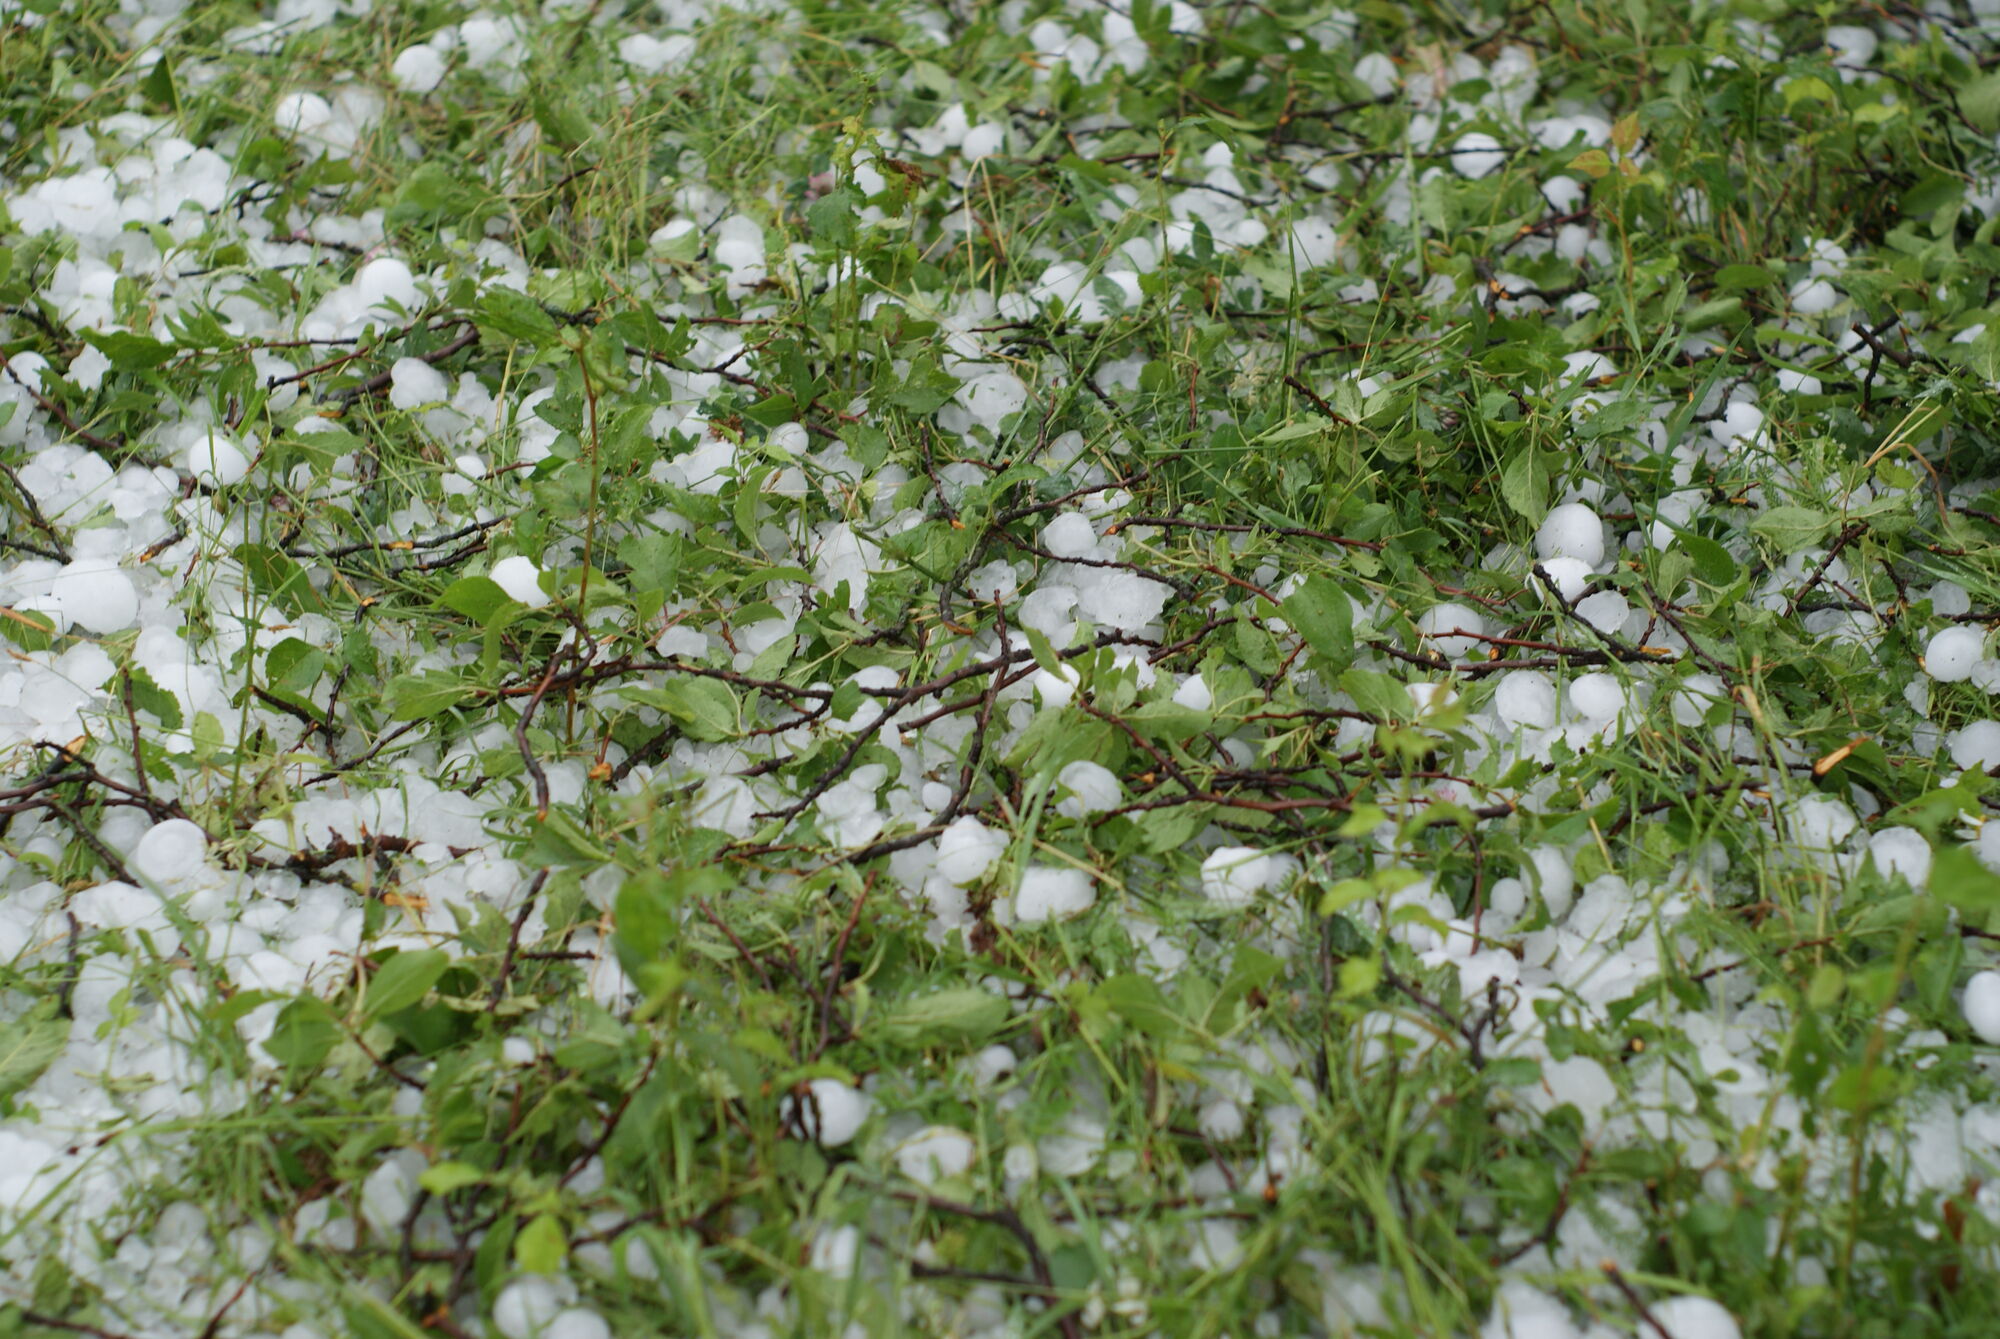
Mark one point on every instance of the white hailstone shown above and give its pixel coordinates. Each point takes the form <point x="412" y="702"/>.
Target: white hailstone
<point x="1798" y="383"/>
<point x="1976" y="747"/>
<point x="217" y="461"/>
<point x="1069" y="535"/>
<point x="1597" y="697"/>
<point x="1740" y="422"/>
<point x="413" y="382"/>
<point x="1820" y="822"/>
<point x="967" y="849"/>
<point x="1606" y="611"/>
<point x="1092" y="787"/>
<point x="1901" y="851"/>
<point x="834" y="1253"/>
<point x="419" y="69"/>
<point x="170" y="852"/>
<point x="1526" y="699"/>
<point x="387" y="282"/>
<point x="984" y="141"/>
<point x="1696" y="695"/>
<point x="96" y="596"/>
<point x="1048" y="610"/>
<point x="1571" y="531"/>
<point x="1981" y="1006"/>
<point x="1451" y="630"/>
<point x="1314" y="242"/>
<point x="831" y="1113"/>
<point x="576" y="1323"/>
<point x="934" y="1154"/>
<point x="1051" y="894"/>
<point x="1555" y="876"/>
<point x="1194" y="694"/>
<point x="1587" y="365"/>
<point x="1477" y="154"/>
<point x="1828" y="258"/>
<point x="1693" y="1318"/>
<point x="1523" y="1311"/>
<point x="1232" y="876"/>
<point x="1949" y="599"/>
<point x="521" y="578"/>
<point x="1426" y="698"/>
<point x="1055" y="690"/>
<point x="1814" y="297"/>
<point x="524" y="1308"/>
<point x="650" y="55"/>
<point x="1952" y="653"/>
<point x="993" y="1064"/>
<point x="1378" y="74"/>
<point x="1570" y="576"/>
<point x="1220" y="1120"/>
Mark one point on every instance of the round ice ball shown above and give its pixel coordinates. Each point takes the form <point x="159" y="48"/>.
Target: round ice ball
<point x="169" y="852"/>
<point x="521" y="578"/>
<point x="832" y="1112"/>
<point x="1571" y="531"/>
<point x="217" y="461"/>
<point x="1901" y="851"/>
<point x="1952" y="653"/>
<point x="1981" y="1006"/>
<point x="1526" y="699"/>
<point x="1569" y="576"/>
<point x="1476" y="154"/>
<point x="1693" y="1318"/>
<point x="1451" y="630"/>
<point x="97" y="596"/>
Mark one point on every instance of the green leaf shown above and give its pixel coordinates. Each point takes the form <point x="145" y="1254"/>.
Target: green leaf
<point x="280" y="579"/>
<point x="832" y="218"/>
<point x="1524" y="484"/>
<point x="705" y="709"/>
<point x="1377" y="694"/>
<point x="1137" y="1000"/>
<point x="517" y="316"/>
<point x="403" y="980"/>
<point x="1712" y="563"/>
<point x="28" y="629"/>
<point x="1792" y="529"/>
<point x="542" y="1246"/>
<point x="129" y="352"/>
<point x="28" y="1047"/>
<point x="958" y="1014"/>
<point x="164" y="705"/>
<point x="1739" y="277"/>
<point x="304" y="1033"/>
<point x="1957" y="877"/>
<point x="926" y="388"/>
<point x="1324" y="616"/>
<point x="1980" y="101"/>
<point x="441" y="1178"/>
<point x="478" y="598"/>
<point x="654" y="558"/>
<point x="414" y="697"/>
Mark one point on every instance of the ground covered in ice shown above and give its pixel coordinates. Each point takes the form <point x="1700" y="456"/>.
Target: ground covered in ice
<point x="1011" y="669"/>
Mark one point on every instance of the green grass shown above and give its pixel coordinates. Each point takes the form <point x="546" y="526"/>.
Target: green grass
<point x="643" y="1146"/>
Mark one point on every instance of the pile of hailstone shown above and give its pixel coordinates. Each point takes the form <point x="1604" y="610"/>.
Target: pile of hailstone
<point x="1472" y="799"/>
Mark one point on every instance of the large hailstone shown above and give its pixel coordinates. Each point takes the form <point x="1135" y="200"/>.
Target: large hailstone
<point x="1571" y="531"/>
<point x="1981" y="1006"/>
<point x="967" y="849"/>
<point x="831" y="1113"/>
<point x="1051" y="894"/>
<point x="1952" y="653"/>
<point x="1451" y="630"/>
